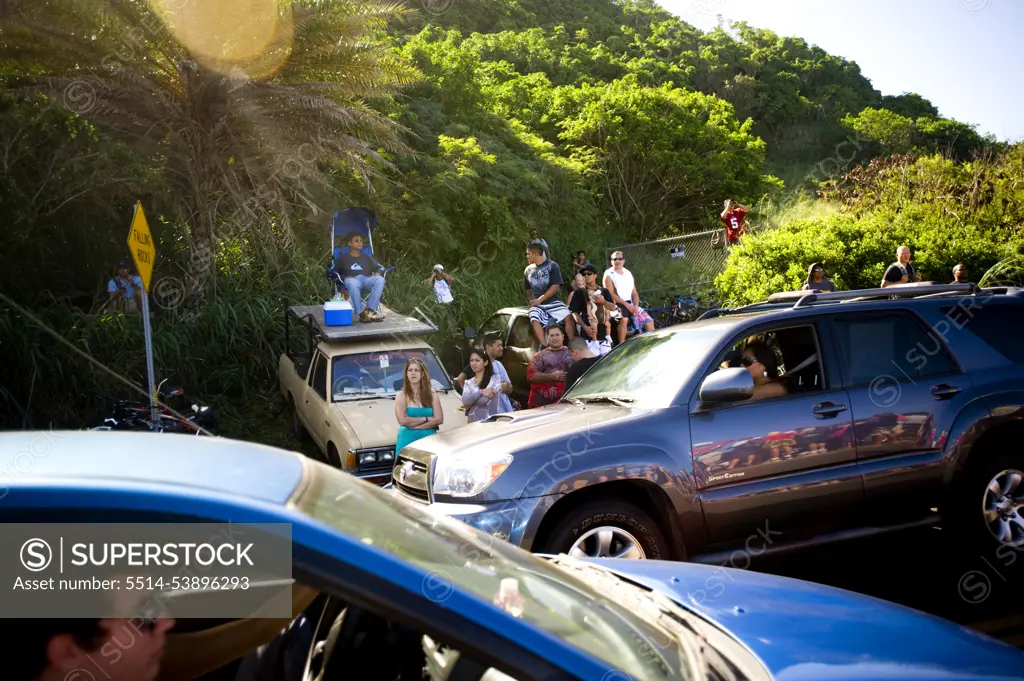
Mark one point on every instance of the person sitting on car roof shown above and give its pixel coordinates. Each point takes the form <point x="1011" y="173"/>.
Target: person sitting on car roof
<point x="543" y="279"/>
<point x="361" y="273"/>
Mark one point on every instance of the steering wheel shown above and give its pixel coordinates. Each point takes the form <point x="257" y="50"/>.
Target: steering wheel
<point x="336" y="641"/>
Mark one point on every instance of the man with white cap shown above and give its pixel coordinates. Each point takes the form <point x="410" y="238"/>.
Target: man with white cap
<point x="442" y="282"/>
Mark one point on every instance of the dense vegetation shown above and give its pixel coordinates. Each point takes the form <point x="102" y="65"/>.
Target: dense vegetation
<point x="466" y="126"/>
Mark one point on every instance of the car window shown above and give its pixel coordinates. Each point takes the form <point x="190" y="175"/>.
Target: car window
<point x="497" y="324"/>
<point x="895" y="346"/>
<point x="1001" y="326"/>
<point x="363" y="374"/>
<point x="320" y="376"/>
<point x="649" y="369"/>
<point x="796" y="352"/>
<point x="522" y="335"/>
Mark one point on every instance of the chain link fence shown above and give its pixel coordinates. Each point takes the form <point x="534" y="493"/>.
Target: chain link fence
<point x="685" y="265"/>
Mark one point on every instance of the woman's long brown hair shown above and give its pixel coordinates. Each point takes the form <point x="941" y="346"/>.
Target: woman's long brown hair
<point x="424" y="381"/>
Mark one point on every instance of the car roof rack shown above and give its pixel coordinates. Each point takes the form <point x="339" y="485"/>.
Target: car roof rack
<point x="801" y="299"/>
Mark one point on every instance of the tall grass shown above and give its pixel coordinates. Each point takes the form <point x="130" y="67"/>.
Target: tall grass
<point x="225" y="354"/>
<point x="774" y="211"/>
<point x="1006" y="272"/>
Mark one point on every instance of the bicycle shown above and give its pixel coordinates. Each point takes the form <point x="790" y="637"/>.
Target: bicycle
<point x="136" y="416"/>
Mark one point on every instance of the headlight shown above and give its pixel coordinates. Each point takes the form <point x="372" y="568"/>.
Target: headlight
<point x="470" y="475"/>
<point x="373" y="456"/>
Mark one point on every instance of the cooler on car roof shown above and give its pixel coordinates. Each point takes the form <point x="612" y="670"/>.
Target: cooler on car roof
<point x="338" y="313"/>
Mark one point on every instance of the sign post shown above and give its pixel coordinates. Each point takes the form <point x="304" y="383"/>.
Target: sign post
<point x="140" y="243"/>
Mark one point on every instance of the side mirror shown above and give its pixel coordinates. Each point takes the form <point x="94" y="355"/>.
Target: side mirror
<point x="727" y="385"/>
<point x="469" y="333"/>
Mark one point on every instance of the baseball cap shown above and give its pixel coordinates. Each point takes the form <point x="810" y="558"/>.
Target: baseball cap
<point x="439" y="267"/>
<point x="588" y="268"/>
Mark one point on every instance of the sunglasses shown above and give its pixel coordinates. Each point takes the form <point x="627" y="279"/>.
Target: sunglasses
<point x="748" y="361"/>
<point x="819" y="271"/>
<point x="617" y="259"/>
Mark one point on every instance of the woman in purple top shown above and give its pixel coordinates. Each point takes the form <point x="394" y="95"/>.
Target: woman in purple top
<point x="481" y="394"/>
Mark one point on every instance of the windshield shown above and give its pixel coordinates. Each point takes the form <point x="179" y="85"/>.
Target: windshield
<point x="650" y="369"/>
<point x="380" y="373"/>
<point x="457" y="556"/>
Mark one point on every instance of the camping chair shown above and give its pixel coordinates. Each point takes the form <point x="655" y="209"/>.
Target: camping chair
<point x="361" y="221"/>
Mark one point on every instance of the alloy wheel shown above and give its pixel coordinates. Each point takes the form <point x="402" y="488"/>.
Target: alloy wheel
<point x="607" y="542"/>
<point x="1001" y="506"/>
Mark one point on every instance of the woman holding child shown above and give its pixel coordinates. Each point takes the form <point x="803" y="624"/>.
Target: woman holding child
<point x="417" y="407"/>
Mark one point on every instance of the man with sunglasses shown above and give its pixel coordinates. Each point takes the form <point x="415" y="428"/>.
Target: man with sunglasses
<point x="591" y="306"/>
<point x="620" y="283"/>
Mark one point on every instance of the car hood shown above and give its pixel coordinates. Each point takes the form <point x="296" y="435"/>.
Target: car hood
<point x="804" y="631"/>
<point x="520" y="430"/>
<point x="371" y="423"/>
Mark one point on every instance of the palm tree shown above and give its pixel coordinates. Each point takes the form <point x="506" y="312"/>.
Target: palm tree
<point x="244" y="110"/>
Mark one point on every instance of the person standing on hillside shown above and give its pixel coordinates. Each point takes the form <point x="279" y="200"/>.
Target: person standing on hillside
<point x="543" y="279"/>
<point x="579" y="261"/>
<point x="125" y="288"/>
<point x="442" y="283"/>
<point x="733" y="216"/>
<point x="901" y="271"/>
<point x="816" y="280"/>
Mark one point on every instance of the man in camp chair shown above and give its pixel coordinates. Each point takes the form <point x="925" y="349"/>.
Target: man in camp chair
<point x="361" y="274"/>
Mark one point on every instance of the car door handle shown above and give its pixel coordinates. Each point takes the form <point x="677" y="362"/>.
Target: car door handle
<point x="824" y="410"/>
<point x="944" y="391"/>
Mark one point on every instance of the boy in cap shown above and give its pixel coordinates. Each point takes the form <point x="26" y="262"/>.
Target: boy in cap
<point x="543" y="278"/>
<point x="124" y="287"/>
<point x="442" y="282"/>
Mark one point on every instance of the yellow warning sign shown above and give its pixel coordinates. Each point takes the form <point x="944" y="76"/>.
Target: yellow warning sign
<point x="140" y="243"/>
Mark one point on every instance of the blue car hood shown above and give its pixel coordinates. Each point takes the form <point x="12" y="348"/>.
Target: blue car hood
<point x="804" y="631"/>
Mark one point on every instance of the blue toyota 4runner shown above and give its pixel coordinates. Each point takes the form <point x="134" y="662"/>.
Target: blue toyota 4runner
<point x="905" y="406"/>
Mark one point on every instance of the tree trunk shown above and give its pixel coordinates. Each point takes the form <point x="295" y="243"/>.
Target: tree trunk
<point x="201" y="269"/>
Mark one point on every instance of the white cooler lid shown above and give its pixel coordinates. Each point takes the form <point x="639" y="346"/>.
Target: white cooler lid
<point x="337" y="305"/>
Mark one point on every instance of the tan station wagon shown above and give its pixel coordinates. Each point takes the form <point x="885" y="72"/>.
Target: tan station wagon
<point x="340" y="383"/>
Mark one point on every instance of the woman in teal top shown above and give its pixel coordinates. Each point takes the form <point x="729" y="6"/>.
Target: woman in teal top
<point x="417" y="407"/>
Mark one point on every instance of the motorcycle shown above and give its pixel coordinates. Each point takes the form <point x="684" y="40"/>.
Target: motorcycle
<point x="134" y="415"/>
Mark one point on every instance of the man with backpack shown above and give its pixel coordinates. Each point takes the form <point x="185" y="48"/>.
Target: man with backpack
<point x="901" y="271"/>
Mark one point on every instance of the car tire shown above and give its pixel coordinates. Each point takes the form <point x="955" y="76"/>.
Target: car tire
<point x="587" y="527"/>
<point x="298" y="430"/>
<point x="985" y="503"/>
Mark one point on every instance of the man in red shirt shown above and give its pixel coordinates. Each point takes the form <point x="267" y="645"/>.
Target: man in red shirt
<point x="733" y="216"/>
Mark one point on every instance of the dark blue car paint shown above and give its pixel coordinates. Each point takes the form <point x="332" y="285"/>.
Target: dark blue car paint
<point x="802" y="630"/>
<point x="799" y="630"/>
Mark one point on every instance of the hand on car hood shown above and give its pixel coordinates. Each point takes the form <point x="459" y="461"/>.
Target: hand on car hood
<point x="806" y="631"/>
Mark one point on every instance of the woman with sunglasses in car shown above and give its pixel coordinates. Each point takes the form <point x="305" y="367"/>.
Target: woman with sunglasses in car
<point x="760" y="361"/>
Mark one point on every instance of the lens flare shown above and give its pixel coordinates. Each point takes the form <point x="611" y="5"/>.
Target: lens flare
<point x="254" y="36"/>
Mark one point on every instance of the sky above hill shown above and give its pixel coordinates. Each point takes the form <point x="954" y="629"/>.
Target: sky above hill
<point x="962" y="55"/>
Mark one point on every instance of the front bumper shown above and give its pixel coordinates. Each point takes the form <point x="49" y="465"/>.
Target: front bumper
<point x="505" y="520"/>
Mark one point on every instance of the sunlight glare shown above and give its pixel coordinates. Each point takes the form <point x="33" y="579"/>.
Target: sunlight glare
<point x="252" y="35"/>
